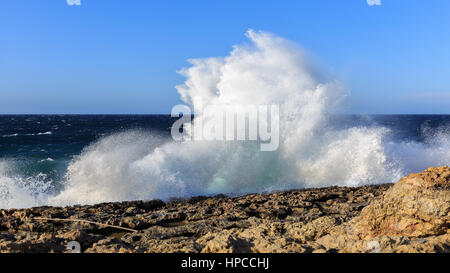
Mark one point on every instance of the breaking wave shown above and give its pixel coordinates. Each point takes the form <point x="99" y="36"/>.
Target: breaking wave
<point x="267" y="70"/>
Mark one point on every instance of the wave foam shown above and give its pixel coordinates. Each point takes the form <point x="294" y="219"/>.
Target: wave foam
<point x="269" y="70"/>
<point x="22" y="191"/>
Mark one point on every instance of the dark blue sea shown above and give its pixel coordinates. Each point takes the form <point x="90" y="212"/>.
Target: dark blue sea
<point x="37" y="150"/>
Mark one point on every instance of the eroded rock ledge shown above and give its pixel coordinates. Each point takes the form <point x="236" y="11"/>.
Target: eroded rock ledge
<point x="410" y="216"/>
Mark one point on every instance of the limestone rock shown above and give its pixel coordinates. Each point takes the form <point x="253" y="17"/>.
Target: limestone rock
<point x="415" y="210"/>
<point x="411" y="216"/>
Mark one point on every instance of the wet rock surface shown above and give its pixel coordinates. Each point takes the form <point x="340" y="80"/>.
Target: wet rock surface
<point x="410" y="216"/>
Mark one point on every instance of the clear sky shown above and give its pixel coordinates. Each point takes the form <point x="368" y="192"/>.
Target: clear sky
<point x="121" y="56"/>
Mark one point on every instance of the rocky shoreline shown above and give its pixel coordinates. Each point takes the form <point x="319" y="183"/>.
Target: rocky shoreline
<point x="412" y="215"/>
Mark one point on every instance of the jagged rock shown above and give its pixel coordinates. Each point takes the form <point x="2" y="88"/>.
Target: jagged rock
<point x="224" y="242"/>
<point x="418" y="205"/>
<point x="411" y="216"/>
<point x="413" y="212"/>
<point x="314" y="229"/>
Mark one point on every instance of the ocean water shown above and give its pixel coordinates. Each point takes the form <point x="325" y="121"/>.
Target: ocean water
<point x="37" y="151"/>
<point x="66" y="160"/>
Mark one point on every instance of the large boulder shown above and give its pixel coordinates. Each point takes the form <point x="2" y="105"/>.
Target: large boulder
<point x="406" y="218"/>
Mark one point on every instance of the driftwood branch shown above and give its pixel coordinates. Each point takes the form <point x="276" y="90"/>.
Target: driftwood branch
<point x="82" y="221"/>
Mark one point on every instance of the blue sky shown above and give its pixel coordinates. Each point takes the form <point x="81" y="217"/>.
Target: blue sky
<point x="121" y="56"/>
